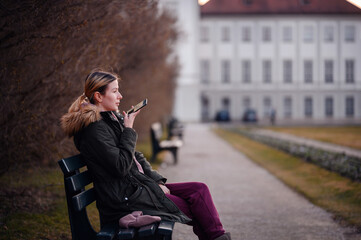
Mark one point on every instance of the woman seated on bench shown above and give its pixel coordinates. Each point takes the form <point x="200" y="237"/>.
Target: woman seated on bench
<point x="123" y="179"/>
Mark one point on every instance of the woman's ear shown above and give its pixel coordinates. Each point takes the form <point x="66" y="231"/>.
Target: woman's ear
<point x="98" y="97"/>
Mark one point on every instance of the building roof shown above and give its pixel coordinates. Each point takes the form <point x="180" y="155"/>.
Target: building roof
<point x="231" y="7"/>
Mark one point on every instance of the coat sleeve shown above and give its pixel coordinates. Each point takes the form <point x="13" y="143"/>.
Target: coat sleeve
<point x="148" y="168"/>
<point x="103" y="149"/>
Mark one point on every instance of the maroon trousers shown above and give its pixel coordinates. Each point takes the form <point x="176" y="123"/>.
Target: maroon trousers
<point x="195" y="201"/>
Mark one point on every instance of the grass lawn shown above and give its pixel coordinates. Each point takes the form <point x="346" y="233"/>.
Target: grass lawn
<point x="345" y="136"/>
<point x="329" y="190"/>
<point x="33" y="204"/>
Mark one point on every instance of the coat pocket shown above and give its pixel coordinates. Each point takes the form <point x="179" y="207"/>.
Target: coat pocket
<point x="136" y="194"/>
<point x="133" y="195"/>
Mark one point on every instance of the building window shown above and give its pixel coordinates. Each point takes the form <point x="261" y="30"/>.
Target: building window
<point x="308" y="71"/>
<point x="204" y="34"/>
<point x="287" y="34"/>
<point x="350" y="108"/>
<point x="350" y="33"/>
<point x="267" y="71"/>
<point x="287" y="107"/>
<point x="205" y="71"/>
<point x="328" y="34"/>
<point x="246" y="71"/>
<point x="226" y="34"/>
<point x="246" y="34"/>
<point x="246" y="103"/>
<point x="287" y="71"/>
<point x="267" y="105"/>
<point x="308" y="34"/>
<point x="266" y="34"/>
<point x="205" y="108"/>
<point x="226" y="71"/>
<point x="308" y="107"/>
<point x="225" y="103"/>
<point x="328" y="71"/>
<point x="329" y="107"/>
<point x="350" y="71"/>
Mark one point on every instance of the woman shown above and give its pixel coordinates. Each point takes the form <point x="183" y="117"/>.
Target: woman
<point x="123" y="179"/>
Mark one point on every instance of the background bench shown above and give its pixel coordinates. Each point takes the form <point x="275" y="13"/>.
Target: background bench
<point x="78" y="199"/>
<point x="159" y="145"/>
<point x="175" y="129"/>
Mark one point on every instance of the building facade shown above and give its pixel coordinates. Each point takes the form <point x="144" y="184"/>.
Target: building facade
<point x="297" y="58"/>
<point x="186" y="104"/>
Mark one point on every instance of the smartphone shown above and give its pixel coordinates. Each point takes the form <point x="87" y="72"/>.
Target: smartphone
<point x="138" y="106"/>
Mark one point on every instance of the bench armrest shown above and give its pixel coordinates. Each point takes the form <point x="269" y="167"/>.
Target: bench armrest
<point x="126" y="233"/>
<point x="165" y="228"/>
<point x="148" y="230"/>
<point x="107" y="232"/>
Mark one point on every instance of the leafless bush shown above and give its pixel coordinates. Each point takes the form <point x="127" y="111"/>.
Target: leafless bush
<point x="48" y="47"/>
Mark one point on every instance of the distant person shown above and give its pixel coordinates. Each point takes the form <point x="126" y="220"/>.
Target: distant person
<point x="273" y="116"/>
<point x="124" y="181"/>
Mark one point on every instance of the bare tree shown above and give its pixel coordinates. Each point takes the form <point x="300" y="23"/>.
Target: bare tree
<point x="48" y="47"/>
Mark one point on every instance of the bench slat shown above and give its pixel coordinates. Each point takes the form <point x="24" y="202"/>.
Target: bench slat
<point x="107" y="232"/>
<point x="157" y="128"/>
<point x="148" y="230"/>
<point x="78" y="181"/>
<point x="170" y="143"/>
<point x="126" y="234"/>
<point x="70" y="164"/>
<point x="83" y="199"/>
<point x="166" y="228"/>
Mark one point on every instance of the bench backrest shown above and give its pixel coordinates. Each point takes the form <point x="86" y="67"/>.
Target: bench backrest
<point x="156" y="134"/>
<point x="158" y="131"/>
<point x="77" y="197"/>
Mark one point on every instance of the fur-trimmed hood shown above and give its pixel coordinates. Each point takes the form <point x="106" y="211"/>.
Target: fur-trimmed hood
<point x="73" y="121"/>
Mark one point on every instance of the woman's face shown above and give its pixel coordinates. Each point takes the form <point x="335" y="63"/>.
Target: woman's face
<point x="110" y="100"/>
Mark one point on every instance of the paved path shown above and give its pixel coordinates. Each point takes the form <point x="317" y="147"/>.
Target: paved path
<point x="252" y="203"/>
<point x="309" y="142"/>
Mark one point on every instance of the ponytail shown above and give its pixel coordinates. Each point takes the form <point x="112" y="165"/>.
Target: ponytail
<point x="78" y="103"/>
<point x="80" y="114"/>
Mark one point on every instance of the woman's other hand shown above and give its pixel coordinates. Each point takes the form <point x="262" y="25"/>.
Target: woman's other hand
<point x="164" y="188"/>
<point x="129" y="119"/>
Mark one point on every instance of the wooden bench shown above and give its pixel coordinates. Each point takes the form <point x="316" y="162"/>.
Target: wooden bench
<point x="78" y="199"/>
<point x="159" y="145"/>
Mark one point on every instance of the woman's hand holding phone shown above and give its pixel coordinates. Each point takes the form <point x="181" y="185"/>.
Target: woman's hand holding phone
<point x="129" y="118"/>
<point x="130" y="115"/>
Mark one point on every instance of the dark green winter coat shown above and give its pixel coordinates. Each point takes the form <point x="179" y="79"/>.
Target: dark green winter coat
<point x="108" y="149"/>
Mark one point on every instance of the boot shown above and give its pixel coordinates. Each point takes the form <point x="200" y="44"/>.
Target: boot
<point x="226" y="236"/>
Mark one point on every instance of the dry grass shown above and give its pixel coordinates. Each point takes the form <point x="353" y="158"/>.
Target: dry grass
<point x="336" y="194"/>
<point x="33" y="204"/>
<point x="345" y="136"/>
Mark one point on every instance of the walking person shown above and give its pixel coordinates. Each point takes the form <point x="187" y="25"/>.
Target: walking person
<point x="124" y="180"/>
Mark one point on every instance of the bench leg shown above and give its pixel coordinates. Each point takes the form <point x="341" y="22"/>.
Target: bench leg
<point x="175" y="155"/>
<point x="152" y="159"/>
<point x="154" y="156"/>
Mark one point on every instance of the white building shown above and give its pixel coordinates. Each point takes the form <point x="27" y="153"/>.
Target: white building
<point x="187" y="104"/>
<point x="299" y="57"/>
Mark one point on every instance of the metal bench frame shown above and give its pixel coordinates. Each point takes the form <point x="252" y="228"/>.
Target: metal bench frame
<point x="78" y="198"/>
<point x="156" y="133"/>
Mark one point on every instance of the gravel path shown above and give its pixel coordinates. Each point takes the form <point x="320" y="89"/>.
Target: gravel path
<point x="252" y="203"/>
